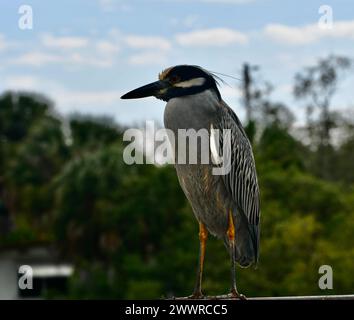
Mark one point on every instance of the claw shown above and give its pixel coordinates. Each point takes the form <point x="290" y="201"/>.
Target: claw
<point x="235" y="295"/>
<point x="196" y="295"/>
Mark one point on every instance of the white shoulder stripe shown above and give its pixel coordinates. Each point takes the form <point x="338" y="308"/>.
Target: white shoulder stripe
<point x="214" y="134"/>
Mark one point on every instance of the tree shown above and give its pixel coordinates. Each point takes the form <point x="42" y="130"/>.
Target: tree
<point x="317" y="85"/>
<point x="32" y="153"/>
<point x="88" y="133"/>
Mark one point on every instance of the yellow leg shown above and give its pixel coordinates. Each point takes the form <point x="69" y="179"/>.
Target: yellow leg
<point x="231" y="236"/>
<point x="231" y="228"/>
<point x="203" y="235"/>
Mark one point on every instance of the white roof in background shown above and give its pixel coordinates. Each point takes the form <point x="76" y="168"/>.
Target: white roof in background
<point x="52" y="270"/>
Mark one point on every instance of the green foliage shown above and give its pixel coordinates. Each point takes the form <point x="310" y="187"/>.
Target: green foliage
<point x="89" y="133"/>
<point x="278" y="149"/>
<point x="18" y="112"/>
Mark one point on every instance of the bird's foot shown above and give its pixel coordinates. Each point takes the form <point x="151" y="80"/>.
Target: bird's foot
<point x="235" y="295"/>
<point x="196" y="295"/>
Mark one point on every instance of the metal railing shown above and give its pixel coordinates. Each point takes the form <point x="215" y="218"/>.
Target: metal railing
<point x="322" y="297"/>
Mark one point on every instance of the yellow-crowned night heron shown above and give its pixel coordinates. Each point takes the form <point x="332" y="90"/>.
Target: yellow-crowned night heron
<point x="227" y="205"/>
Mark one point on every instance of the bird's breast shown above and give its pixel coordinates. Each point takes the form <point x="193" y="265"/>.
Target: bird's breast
<point x="207" y="196"/>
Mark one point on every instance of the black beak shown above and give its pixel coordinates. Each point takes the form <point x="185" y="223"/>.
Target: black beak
<point x="151" y="89"/>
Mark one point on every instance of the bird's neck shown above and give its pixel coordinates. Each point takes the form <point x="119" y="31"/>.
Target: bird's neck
<point x="192" y="111"/>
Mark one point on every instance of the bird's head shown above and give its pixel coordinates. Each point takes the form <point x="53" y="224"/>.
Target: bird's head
<point x="177" y="81"/>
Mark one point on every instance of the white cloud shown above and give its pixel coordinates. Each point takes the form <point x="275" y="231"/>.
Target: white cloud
<point x="147" y="42"/>
<point x="89" y="60"/>
<point x="211" y="37"/>
<point x="107" y="48"/>
<point x="95" y="53"/>
<point x="51" y="41"/>
<point x="21" y="82"/>
<point x="154" y="49"/>
<point x="343" y="29"/>
<point x="309" y="33"/>
<point x="38" y="59"/>
<point x="148" y="58"/>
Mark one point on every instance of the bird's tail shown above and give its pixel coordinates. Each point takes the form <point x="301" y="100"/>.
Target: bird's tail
<point x="255" y="236"/>
<point x="246" y="242"/>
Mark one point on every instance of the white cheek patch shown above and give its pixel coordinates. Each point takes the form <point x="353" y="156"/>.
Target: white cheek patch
<point x="191" y="83"/>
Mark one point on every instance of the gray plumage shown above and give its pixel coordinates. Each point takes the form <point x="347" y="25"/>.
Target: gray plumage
<point x="212" y="196"/>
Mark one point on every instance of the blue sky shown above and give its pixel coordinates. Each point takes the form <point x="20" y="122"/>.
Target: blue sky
<point x="85" y="54"/>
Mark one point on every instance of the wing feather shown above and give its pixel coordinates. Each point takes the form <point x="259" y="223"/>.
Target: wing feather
<point x="241" y="181"/>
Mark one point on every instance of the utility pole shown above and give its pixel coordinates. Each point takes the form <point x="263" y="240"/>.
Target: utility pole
<point x="246" y="80"/>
